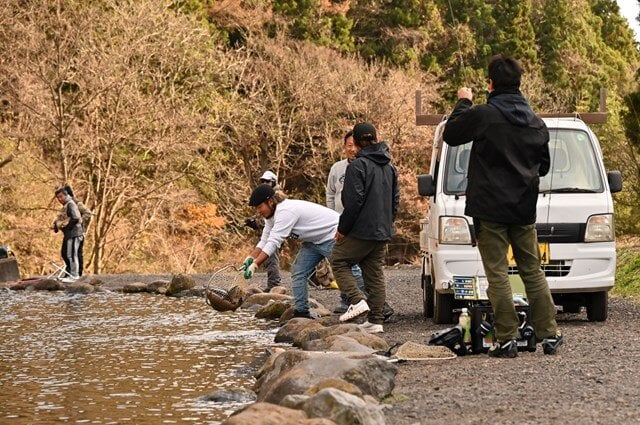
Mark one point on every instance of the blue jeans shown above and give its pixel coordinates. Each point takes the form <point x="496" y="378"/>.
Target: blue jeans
<point x="308" y="257"/>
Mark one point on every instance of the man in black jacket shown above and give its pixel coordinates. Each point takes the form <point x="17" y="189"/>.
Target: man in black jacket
<point x="509" y="154"/>
<point x="370" y="198"/>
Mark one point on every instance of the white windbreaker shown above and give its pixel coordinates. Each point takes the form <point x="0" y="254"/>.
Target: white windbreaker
<point x="296" y="219"/>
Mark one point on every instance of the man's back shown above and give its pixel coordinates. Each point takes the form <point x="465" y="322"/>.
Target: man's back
<point x="370" y="195"/>
<point x="509" y="154"/>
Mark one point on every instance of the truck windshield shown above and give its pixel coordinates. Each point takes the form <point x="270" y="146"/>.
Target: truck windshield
<point x="574" y="168"/>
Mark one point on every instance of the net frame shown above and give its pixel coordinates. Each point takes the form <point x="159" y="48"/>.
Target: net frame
<point x="225" y="289"/>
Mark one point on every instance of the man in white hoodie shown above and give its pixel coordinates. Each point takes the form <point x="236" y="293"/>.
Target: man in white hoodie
<point x="314" y="225"/>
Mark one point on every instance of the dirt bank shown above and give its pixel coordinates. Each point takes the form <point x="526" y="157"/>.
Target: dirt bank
<point x="594" y="379"/>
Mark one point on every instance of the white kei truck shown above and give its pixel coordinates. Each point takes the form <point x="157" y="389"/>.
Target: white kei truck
<point x="575" y="220"/>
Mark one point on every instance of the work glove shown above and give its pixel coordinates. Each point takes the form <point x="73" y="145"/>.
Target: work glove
<point x="250" y="270"/>
<point x="246" y="263"/>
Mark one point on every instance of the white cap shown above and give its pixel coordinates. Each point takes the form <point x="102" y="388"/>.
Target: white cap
<point x="269" y="176"/>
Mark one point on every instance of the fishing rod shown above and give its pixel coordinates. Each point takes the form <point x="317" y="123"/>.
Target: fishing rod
<point x="460" y="55"/>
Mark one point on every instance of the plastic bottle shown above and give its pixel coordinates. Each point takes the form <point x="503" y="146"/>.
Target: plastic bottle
<point x="465" y="322"/>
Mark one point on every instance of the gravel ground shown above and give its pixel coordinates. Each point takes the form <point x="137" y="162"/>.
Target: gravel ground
<point x="593" y="379"/>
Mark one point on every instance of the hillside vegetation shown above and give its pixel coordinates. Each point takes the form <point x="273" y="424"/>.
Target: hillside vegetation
<point x="163" y="114"/>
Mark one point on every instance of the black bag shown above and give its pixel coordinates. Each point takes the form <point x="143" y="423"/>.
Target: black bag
<point x="450" y="338"/>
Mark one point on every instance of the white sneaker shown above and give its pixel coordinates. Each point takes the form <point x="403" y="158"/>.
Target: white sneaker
<point x="355" y="310"/>
<point x="70" y="279"/>
<point x="371" y="328"/>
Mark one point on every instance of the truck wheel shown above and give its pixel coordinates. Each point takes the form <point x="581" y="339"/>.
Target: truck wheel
<point x="597" y="306"/>
<point x="571" y="307"/>
<point x="443" y="308"/>
<point x="427" y="296"/>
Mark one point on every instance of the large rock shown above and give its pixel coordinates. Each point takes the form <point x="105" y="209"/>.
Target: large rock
<point x="295" y="372"/>
<point x="279" y="290"/>
<point x="292" y="358"/>
<point x="291" y="329"/>
<point x="368" y="340"/>
<point x="373" y="376"/>
<point x="134" y="288"/>
<point x="336" y="383"/>
<point x="263" y="298"/>
<point x="179" y="283"/>
<point x="303" y="336"/>
<point x="42" y="284"/>
<point x="270" y="414"/>
<point x="294" y="401"/>
<point x="320" y="313"/>
<point x="272" y="311"/>
<point x="48" y="285"/>
<point x="79" y="288"/>
<point x="343" y="408"/>
<point x="232" y="395"/>
<point x="94" y="281"/>
<point x="158" y="287"/>
<point x="338" y="343"/>
<point x="193" y="292"/>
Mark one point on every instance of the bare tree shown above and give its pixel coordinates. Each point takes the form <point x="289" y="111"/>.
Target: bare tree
<point x="117" y="90"/>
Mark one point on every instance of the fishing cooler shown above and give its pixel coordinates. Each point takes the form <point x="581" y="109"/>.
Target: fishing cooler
<point x="473" y="290"/>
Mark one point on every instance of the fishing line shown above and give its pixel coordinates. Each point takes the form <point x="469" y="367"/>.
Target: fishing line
<point x="455" y="32"/>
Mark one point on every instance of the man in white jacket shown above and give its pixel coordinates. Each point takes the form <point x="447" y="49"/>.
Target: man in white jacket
<point x="314" y="225"/>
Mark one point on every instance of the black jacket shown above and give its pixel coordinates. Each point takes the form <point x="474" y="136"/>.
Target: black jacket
<point x="370" y="195"/>
<point x="510" y="152"/>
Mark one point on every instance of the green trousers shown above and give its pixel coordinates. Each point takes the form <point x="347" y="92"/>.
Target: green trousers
<point x="493" y="244"/>
<point x="369" y="255"/>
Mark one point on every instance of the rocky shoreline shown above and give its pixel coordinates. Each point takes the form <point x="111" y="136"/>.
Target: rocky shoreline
<point x="593" y="379"/>
<point x="331" y="376"/>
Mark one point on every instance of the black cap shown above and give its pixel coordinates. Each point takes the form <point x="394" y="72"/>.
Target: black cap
<point x="69" y="191"/>
<point x="260" y="194"/>
<point x="364" y="131"/>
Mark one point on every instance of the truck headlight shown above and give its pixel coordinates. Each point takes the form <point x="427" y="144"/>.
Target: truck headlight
<point x="454" y="230"/>
<point x="599" y="228"/>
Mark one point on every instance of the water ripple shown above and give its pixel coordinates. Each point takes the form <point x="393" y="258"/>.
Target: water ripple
<point x="120" y="358"/>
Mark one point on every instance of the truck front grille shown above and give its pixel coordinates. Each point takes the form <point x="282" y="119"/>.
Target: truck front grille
<point x="555" y="268"/>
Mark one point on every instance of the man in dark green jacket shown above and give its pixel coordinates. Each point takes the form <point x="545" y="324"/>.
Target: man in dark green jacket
<point x="509" y="154"/>
<point x="370" y="198"/>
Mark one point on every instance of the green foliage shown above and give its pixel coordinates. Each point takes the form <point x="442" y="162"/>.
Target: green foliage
<point x="295" y="8"/>
<point x="628" y="271"/>
<point x="568" y="56"/>
<point x="309" y="22"/>
<point x="222" y="90"/>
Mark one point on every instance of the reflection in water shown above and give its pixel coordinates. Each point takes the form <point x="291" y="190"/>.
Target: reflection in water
<point x="112" y="358"/>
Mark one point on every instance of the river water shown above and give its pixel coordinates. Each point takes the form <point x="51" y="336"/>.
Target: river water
<point x="112" y="358"/>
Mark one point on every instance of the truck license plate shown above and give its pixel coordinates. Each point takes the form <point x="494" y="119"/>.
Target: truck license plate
<point x="544" y="254"/>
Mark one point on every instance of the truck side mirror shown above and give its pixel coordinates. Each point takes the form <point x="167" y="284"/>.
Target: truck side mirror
<point x="615" y="181"/>
<point x="426" y="185"/>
